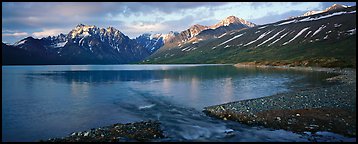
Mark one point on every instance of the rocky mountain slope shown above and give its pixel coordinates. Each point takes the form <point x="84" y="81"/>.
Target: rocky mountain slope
<point x="153" y="42"/>
<point x="198" y="32"/>
<point x="319" y="38"/>
<point x="324" y="39"/>
<point x="83" y="45"/>
<point x="86" y="44"/>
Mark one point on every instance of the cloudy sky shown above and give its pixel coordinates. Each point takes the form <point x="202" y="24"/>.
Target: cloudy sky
<point x="40" y="19"/>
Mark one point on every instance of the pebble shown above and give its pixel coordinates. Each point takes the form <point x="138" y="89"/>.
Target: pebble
<point x="278" y="118"/>
<point x="298" y="115"/>
<point x="139" y="131"/>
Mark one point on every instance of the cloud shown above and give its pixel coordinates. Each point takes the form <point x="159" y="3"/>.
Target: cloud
<point x="49" y="32"/>
<point x="16" y="34"/>
<point x="174" y="7"/>
<point x="325" y="5"/>
<point x="273" y="17"/>
<point x="140" y="28"/>
<point x="10" y="36"/>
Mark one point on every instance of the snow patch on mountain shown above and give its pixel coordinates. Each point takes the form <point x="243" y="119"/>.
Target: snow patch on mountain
<point x="298" y="34"/>
<point x="286" y="22"/>
<point x="260" y="37"/>
<point x="61" y="44"/>
<point x="237" y="36"/>
<point x="321" y="17"/>
<point x="308" y="33"/>
<point x="318" y="30"/>
<point x="278" y="39"/>
<point x="313" y="12"/>
<point x="270" y="38"/>
<point x="352" y="31"/>
<point x="314" y="18"/>
<point x="263" y="27"/>
<point x="20" y="42"/>
<point x="222" y="35"/>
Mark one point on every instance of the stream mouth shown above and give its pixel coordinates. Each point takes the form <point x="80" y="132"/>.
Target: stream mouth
<point x="188" y="124"/>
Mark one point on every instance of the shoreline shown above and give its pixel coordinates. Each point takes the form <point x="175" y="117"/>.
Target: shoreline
<point x="248" y="112"/>
<point x="345" y="75"/>
<point x="330" y="108"/>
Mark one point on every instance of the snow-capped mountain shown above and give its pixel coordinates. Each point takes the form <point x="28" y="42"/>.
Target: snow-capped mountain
<point x="86" y="44"/>
<point x="313" y="12"/>
<point x="198" y="32"/>
<point x="232" y="20"/>
<point x="335" y="7"/>
<point x="168" y="37"/>
<point x="151" y="42"/>
<point x="311" y="39"/>
<point x="230" y="40"/>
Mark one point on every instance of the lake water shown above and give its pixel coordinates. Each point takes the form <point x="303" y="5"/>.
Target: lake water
<point x="41" y="102"/>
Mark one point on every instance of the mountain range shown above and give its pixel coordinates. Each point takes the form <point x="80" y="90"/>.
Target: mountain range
<point x="327" y="35"/>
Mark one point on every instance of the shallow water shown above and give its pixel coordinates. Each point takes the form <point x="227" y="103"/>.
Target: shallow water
<point x="41" y="102"/>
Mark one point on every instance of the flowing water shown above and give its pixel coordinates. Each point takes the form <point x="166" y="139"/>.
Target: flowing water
<point x="41" y="102"/>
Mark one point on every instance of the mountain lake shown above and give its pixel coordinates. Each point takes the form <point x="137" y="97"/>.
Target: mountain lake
<point x="42" y="102"/>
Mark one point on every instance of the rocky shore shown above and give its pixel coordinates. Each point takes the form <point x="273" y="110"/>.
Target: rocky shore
<point x="330" y="108"/>
<point x="139" y="131"/>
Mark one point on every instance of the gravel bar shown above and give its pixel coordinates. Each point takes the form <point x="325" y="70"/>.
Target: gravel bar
<point x="139" y="131"/>
<point x="331" y="108"/>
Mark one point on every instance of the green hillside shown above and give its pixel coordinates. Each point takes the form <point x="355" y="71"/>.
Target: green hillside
<point x="325" y="40"/>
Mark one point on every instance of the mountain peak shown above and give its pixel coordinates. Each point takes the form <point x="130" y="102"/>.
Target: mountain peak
<point x="21" y="42"/>
<point x="335" y="7"/>
<point x="80" y="25"/>
<point x="113" y="30"/>
<point x="232" y="20"/>
<point x="198" y="26"/>
<point x="84" y="27"/>
<point x="312" y="12"/>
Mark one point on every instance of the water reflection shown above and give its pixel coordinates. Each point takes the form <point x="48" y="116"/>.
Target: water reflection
<point x="194" y="89"/>
<point x="228" y="89"/>
<point x="166" y="85"/>
<point x="79" y="89"/>
<point x="40" y="99"/>
<point x="187" y="73"/>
